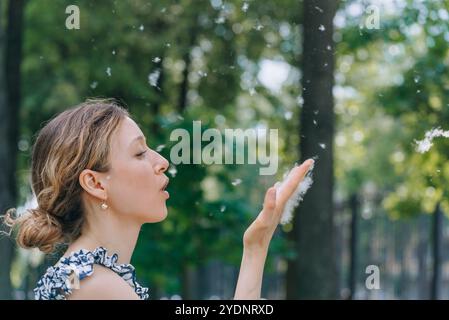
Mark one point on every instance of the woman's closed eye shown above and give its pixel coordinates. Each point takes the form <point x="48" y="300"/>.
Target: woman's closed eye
<point x="141" y="154"/>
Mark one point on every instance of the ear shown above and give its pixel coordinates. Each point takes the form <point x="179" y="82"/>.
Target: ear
<point x="93" y="183"/>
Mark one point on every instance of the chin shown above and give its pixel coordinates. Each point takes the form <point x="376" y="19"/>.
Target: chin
<point x="157" y="217"/>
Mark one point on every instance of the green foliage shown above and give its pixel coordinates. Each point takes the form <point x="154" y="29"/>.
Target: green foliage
<point x="403" y="87"/>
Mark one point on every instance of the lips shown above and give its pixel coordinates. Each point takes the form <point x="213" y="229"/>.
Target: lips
<point x="165" y="192"/>
<point x="165" y="185"/>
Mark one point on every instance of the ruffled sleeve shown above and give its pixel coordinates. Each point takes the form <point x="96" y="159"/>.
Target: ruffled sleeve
<point x="126" y="271"/>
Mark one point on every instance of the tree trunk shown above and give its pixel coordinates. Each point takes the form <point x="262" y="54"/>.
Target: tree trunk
<point x="160" y="97"/>
<point x="313" y="273"/>
<point x="9" y="106"/>
<point x="13" y="75"/>
<point x="401" y="248"/>
<point x="423" y="287"/>
<point x="156" y="106"/>
<point x="189" y="282"/>
<point x="184" y="87"/>
<point x="436" y="243"/>
<point x="354" y="205"/>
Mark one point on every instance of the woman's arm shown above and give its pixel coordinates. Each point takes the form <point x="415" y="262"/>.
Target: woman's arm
<point x="249" y="283"/>
<point x="257" y="237"/>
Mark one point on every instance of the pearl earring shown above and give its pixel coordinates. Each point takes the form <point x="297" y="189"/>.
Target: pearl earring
<point x="104" y="206"/>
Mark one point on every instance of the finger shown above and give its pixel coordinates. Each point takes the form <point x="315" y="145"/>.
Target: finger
<point x="295" y="176"/>
<point x="269" y="202"/>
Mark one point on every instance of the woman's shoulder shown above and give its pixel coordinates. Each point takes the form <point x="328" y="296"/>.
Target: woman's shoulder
<point x="103" y="284"/>
<point x="66" y="276"/>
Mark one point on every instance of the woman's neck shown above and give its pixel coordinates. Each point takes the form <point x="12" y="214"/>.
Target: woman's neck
<point x="110" y="231"/>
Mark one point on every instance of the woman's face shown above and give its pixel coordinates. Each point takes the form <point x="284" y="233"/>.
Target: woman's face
<point x="136" y="179"/>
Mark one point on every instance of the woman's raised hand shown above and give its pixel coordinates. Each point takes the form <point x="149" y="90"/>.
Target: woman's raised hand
<point x="259" y="233"/>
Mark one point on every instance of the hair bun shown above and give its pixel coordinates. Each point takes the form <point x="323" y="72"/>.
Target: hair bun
<point x="37" y="228"/>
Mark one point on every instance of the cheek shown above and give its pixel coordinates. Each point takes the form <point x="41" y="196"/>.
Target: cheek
<point x="135" y="192"/>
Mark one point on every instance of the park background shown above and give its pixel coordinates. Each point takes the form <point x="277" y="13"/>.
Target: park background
<point x="351" y="83"/>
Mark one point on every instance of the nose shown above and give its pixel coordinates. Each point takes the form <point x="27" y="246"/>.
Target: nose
<point x="162" y="164"/>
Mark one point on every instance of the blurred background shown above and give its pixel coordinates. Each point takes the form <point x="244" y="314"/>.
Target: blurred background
<point x="352" y="83"/>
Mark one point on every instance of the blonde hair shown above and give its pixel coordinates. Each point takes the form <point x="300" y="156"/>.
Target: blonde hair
<point x="76" y="139"/>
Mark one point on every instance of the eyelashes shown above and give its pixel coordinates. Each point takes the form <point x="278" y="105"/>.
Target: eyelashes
<point x="141" y="154"/>
<point x="144" y="152"/>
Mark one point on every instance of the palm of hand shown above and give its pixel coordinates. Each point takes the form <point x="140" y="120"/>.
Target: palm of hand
<point x="260" y="232"/>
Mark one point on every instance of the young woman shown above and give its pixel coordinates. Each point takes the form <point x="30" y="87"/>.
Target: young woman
<point x="96" y="183"/>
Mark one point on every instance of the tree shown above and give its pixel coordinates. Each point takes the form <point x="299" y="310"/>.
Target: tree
<point x="437" y="252"/>
<point x="9" y="128"/>
<point x="313" y="273"/>
<point x="354" y="204"/>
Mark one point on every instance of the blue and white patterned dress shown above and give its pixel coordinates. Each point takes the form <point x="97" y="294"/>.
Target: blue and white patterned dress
<point x="55" y="284"/>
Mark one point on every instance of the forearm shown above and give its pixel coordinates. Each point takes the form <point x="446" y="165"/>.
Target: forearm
<point x="249" y="283"/>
